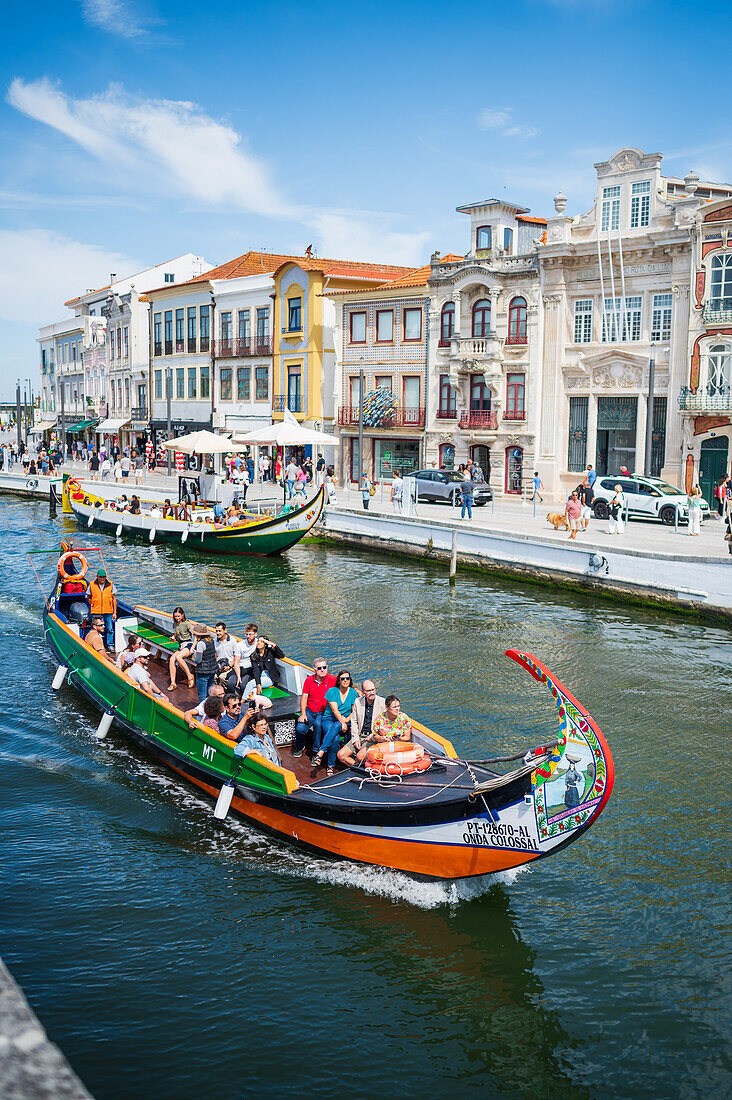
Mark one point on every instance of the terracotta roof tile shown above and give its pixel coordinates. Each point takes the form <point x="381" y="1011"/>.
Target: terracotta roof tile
<point x="530" y="218"/>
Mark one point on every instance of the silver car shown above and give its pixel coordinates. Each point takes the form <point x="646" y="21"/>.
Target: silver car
<point x="443" y="486"/>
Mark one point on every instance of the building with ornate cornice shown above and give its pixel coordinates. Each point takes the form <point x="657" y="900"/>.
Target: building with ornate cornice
<point x="615" y="286"/>
<point x="705" y="396"/>
<point x="485" y="346"/>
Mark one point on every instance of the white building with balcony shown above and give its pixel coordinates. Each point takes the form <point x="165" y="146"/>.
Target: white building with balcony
<point x="615" y="286"/>
<point x="486" y="327"/>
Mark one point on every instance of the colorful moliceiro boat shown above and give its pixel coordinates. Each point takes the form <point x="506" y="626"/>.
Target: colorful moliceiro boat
<point x="454" y="820"/>
<point x="256" y="535"/>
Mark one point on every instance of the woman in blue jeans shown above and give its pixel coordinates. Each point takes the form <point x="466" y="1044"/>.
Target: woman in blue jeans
<point x="337" y="719"/>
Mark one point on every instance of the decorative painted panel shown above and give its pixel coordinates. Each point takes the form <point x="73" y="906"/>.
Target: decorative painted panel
<point x="699" y="288"/>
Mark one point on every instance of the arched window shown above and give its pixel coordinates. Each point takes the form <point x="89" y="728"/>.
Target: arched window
<point x="721" y="292"/>
<point x="517" y="321"/>
<point x="482" y="317"/>
<point x="719" y="370"/>
<point x="447" y="323"/>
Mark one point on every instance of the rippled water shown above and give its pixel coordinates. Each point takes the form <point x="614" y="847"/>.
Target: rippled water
<point x="171" y="956"/>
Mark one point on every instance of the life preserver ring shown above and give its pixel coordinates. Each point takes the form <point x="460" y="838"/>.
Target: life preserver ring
<point x="73" y="482"/>
<point x="61" y="566"/>
<point x="397" y="758"/>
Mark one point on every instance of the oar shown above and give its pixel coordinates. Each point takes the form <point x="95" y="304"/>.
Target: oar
<point x="223" y="802"/>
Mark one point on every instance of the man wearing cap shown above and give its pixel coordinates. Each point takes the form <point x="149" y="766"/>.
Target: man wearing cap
<point x="103" y="601"/>
<point x="138" y="672"/>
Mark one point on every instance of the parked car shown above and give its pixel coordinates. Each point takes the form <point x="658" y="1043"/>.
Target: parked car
<point x="646" y="498"/>
<point x="444" y="485"/>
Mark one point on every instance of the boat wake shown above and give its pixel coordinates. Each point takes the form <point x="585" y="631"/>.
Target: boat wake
<point x="17" y="610"/>
<point x="236" y="841"/>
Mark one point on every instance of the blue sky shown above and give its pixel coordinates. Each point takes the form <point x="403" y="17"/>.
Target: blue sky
<point x="133" y="131"/>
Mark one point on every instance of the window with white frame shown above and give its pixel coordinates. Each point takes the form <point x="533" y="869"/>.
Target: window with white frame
<point x="610" y="208"/>
<point x="719" y="370"/>
<point x="721" y="290"/>
<point x="583" y="321"/>
<point x="661" y="318"/>
<point x="640" y="204"/>
<point x="621" y="324"/>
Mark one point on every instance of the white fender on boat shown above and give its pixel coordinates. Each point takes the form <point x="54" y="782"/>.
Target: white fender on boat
<point x="153" y="532"/>
<point x="90" y="521"/>
<point x="184" y="536"/>
<point x="118" y="532"/>
<point x="105" y="724"/>
<point x="224" y="800"/>
<point x="59" y="677"/>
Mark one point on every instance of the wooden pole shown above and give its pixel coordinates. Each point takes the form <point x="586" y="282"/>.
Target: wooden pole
<point x="453" y="557"/>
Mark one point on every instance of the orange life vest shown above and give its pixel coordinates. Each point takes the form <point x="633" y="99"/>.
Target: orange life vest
<point x="101" y="599"/>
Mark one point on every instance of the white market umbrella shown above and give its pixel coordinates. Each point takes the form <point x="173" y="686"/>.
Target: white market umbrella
<point x="288" y="434"/>
<point x="202" y="443"/>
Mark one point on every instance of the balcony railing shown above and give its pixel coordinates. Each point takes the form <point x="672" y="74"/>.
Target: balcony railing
<point x="204" y="343"/>
<point x="444" y="342"/>
<point x="516" y="339"/>
<point x="476" y="345"/>
<point x="158" y="348"/>
<point x="706" y="400"/>
<point x="487" y="421"/>
<point x="224" y="349"/>
<point x="399" y="417"/>
<point x="243" y="348"/>
<point x="717" y="311"/>
<point x="138" y="412"/>
<point x="191" y="343"/>
<point x="281" y="402"/>
<point x="447" y="414"/>
<point x="514" y="414"/>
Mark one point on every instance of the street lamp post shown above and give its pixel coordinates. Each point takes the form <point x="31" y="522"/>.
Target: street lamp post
<point x="168" y="398"/>
<point x="360" y="421"/>
<point x="649" y="412"/>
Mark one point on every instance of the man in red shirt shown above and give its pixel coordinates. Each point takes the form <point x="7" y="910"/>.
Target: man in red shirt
<point x="313" y="705"/>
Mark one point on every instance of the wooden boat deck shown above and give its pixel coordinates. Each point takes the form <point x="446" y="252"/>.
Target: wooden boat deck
<point x="185" y="698"/>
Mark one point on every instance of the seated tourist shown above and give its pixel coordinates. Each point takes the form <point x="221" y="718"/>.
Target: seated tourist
<point x="183" y="638"/>
<point x="365" y="712"/>
<point x="392" y="725"/>
<point x="234" y="717"/>
<point x="212" y="710"/>
<point x="226" y="649"/>
<point x="155" y="512"/>
<point x="197" y="713"/>
<point x="139" y="674"/>
<point x="243" y="656"/>
<point x="257" y="737"/>
<point x="135" y="509"/>
<point x="127" y="656"/>
<point x="265" y="672"/>
<point x="313" y="706"/>
<point x="168" y="510"/>
<point x="337" y="722"/>
<point x="95" y="638"/>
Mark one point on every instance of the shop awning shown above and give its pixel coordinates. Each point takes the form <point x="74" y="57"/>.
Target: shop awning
<point x="81" y="426"/>
<point x="42" y="426"/>
<point x="110" y="426"/>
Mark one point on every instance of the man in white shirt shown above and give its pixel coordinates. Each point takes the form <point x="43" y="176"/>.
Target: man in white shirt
<point x="242" y="657"/>
<point x="226" y="648"/>
<point x="139" y="674"/>
<point x="397" y="492"/>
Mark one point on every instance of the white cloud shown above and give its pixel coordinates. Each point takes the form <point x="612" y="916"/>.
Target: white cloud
<point x="360" y="236"/>
<point x="175" y="141"/>
<point x="117" y="17"/>
<point x="500" y="120"/>
<point x="41" y="270"/>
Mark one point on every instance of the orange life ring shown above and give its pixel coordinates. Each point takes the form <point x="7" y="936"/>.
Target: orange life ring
<point x="397" y="758"/>
<point x="61" y="566"/>
<point x="76" y="484"/>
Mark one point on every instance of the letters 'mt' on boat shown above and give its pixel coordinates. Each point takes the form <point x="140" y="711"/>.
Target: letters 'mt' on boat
<point x="454" y="819"/>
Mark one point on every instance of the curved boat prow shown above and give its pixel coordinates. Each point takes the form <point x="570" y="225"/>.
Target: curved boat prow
<point x="572" y="787"/>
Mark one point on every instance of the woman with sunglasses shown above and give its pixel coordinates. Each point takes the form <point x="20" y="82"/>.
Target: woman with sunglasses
<point x="337" y="720"/>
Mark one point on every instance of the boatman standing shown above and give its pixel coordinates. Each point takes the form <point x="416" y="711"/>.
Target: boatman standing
<point x="103" y="601"/>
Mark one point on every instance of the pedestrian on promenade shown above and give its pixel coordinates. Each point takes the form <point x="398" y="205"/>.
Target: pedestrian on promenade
<point x="720" y="495"/>
<point x="397" y="492"/>
<point x="591" y="475"/>
<point x="320" y="471"/>
<point x="467" y="488"/>
<point x="366" y="491"/>
<point x="695" y="499"/>
<point x="573" y="509"/>
<point x="538" y="486"/>
<point x="329" y="484"/>
<point x="616" y="507"/>
<point x="278" y="468"/>
<point x="586" y="495"/>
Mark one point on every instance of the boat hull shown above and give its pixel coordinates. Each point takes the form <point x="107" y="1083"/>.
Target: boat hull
<point x="432" y="825"/>
<point x="260" y="538"/>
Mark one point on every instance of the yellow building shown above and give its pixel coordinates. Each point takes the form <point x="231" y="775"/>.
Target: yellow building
<point x="304" y="355"/>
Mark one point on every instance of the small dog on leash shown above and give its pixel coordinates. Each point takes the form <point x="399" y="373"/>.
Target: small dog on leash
<point x="558" y="520"/>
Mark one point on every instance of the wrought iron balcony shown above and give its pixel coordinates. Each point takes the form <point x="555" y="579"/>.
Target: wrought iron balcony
<point x="514" y="414"/>
<point x="516" y="339"/>
<point x="398" y="417"/>
<point x="224" y="349"/>
<point x="706" y="399"/>
<point x="486" y="421"/>
<point x="139" y="412"/>
<point x="293" y="402"/>
<point x="168" y="347"/>
<point x="191" y="343"/>
<point x="717" y="311"/>
<point x="449" y="413"/>
<point x="158" y="348"/>
<point x="204" y="343"/>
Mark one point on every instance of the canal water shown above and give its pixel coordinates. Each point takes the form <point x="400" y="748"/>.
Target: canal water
<point x="172" y="956"/>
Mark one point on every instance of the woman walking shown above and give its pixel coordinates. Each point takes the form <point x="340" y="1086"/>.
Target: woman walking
<point x="617" y="504"/>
